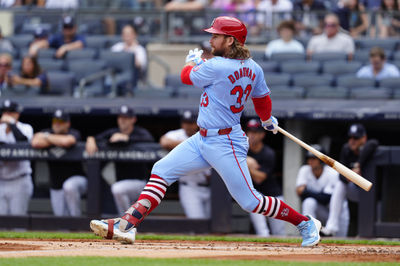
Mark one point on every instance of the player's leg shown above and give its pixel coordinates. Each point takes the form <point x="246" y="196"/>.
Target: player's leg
<point x="335" y="209"/>
<point x="277" y="227"/>
<point x="58" y="203"/>
<point x="227" y="155"/>
<point x="344" y="220"/>
<point x="21" y="194"/>
<point x="74" y="187"/>
<point x="190" y="197"/>
<point x="309" y="206"/>
<point x="125" y="192"/>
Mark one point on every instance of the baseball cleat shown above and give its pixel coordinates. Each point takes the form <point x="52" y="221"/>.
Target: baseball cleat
<point x="108" y="229"/>
<point x="309" y="230"/>
<point x="134" y="215"/>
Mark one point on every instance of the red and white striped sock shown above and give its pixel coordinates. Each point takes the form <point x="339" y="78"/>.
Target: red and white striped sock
<point x="154" y="191"/>
<point x="275" y="208"/>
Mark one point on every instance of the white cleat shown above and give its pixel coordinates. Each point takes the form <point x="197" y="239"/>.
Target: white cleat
<point x="108" y="229"/>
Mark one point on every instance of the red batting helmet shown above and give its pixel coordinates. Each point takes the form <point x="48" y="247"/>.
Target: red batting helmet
<point x="229" y="26"/>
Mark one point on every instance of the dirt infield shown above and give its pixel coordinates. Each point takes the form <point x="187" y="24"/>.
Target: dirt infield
<point x="198" y="249"/>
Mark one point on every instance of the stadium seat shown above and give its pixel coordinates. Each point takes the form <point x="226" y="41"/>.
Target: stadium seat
<point x="287" y="92"/>
<point x="258" y="55"/>
<point x="310" y="80"/>
<point x="340" y="67"/>
<point x="363" y="55"/>
<point x="82" y="68"/>
<point x="87" y="53"/>
<point x="14" y="53"/>
<point x="146" y="93"/>
<point x="323" y="57"/>
<point x="97" y="41"/>
<point x="121" y="61"/>
<point x="113" y="39"/>
<point x="298" y="67"/>
<point x="16" y="66"/>
<point x="386" y="44"/>
<point x="327" y="92"/>
<point x="20" y="41"/>
<point x="391" y="83"/>
<point x="269" y="66"/>
<point x="188" y="92"/>
<point x="396" y="56"/>
<point x="351" y="81"/>
<point x="277" y="79"/>
<point x="61" y="83"/>
<point x="370" y="93"/>
<point x="46" y="53"/>
<point x="48" y="64"/>
<point x="281" y="57"/>
<point x="173" y="81"/>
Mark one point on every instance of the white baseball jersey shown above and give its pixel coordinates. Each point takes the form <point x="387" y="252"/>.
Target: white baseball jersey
<point x="196" y="178"/>
<point x="325" y="183"/>
<point x="242" y="79"/>
<point x="14" y="169"/>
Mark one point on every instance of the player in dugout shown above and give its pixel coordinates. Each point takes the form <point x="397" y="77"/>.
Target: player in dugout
<point x="228" y="80"/>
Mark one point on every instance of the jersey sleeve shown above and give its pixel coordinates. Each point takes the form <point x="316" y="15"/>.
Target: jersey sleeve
<point x="301" y="176"/>
<point x="204" y="74"/>
<point x="261" y="89"/>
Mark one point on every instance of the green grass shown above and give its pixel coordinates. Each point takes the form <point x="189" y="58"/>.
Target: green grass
<point x="66" y="235"/>
<point x="75" y="261"/>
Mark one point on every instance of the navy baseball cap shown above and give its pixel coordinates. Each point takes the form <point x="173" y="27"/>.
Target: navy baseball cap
<point x="356" y="131"/>
<point x="10" y="106"/>
<point x="61" y="115"/>
<point x="127" y="111"/>
<point x="188" y="116"/>
<point x="68" y="22"/>
<point x="254" y="125"/>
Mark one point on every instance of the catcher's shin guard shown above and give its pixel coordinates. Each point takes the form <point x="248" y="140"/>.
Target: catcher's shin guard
<point x="134" y="215"/>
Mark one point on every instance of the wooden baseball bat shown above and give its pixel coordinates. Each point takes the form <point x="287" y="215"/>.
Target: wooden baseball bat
<point x="343" y="170"/>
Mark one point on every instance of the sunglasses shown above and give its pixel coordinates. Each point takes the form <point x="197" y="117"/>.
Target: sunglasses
<point x="5" y="65"/>
<point x="331" y="25"/>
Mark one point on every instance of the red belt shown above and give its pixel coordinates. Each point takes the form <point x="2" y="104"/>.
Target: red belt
<point x="223" y="131"/>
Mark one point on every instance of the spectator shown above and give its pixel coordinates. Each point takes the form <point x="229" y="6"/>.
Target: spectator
<point x="31" y="75"/>
<point x="286" y="43"/>
<point x="232" y="7"/>
<point x="332" y="40"/>
<point x="355" y="154"/>
<point x="16" y="186"/>
<point x="65" y="4"/>
<point x="273" y="11"/>
<point x="261" y="163"/>
<point x="67" y="180"/>
<point x="194" y="190"/>
<point x="39" y="37"/>
<point x="352" y="17"/>
<point x="5" y="72"/>
<point x="378" y="68"/>
<point x="314" y="185"/>
<point x="309" y="17"/>
<point x="185" y="5"/>
<point x="130" y="44"/>
<point x="388" y="19"/>
<point x="5" y="45"/>
<point x="130" y="176"/>
<point x="63" y="42"/>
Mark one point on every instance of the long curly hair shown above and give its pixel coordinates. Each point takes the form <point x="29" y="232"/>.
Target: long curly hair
<point x="238" y="51"/>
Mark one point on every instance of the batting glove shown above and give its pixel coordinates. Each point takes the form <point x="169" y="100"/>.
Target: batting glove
<point x="271" y="124"/>
<point x="195" y="56"/>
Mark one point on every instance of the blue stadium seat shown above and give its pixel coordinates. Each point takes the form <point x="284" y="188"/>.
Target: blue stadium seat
<point x="297" y="67"/>
<point x="281" y="57"/>
<point x="46" y="53"/>
<point x="310" y="80"/>
<point x="97" y="41"/>
<point x="269" y="66"/>
<point x="48" y="64"/>
<point x="147" y="93"/>
<point x="258" y="55"/>
<point x="351" y="81"/>
<point x="277" y="79"/>
<point x="84" y="67"/>
<point x="121" y="61"/>
<point x="188" y="92"/>
<point x="329" y="56"/>
<point x="391" y="83"/>
<point x="327" y="92"/>
<point x="61" y="83"/>
<point x="173" y="81"/>
<point x="396" y="56"/>
<point x="287" y="92"/>
<point x="86" y="53"/>
<point x="340" y="67"/>
<point x="370" y="93"/>
<point x="20" y="41"/>
<point x="386" y="44"/>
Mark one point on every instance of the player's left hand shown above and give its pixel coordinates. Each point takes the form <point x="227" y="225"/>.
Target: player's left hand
<point x="271" y="124"/>
<point x="195" y="56"/>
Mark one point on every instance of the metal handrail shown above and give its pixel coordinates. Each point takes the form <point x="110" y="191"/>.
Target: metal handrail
<point x="96" y="76"/>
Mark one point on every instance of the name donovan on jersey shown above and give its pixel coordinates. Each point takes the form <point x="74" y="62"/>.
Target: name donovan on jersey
<point x="242" y="72"/>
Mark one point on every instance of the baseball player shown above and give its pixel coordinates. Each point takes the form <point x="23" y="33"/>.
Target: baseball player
<point x="228" y="80"/>
<point x="194" y="189"/>
<point x="67" y="180"/>
<point x="16" y="185"/>
<point x="315" y="184"/>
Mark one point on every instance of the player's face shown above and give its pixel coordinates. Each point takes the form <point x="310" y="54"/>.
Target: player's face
<point x="376" y="62"/>
<point x="219" y="43"/>
<point x="255" y="136"/>
<point x="190" y="128"/>
<point x="125" y="123"/>
<point x="60" y="126"/>
<point x="356" y="143"/>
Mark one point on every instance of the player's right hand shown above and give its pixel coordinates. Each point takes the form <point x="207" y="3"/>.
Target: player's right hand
<point x="271" y="124"/>
<point x="195" y="56"/>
